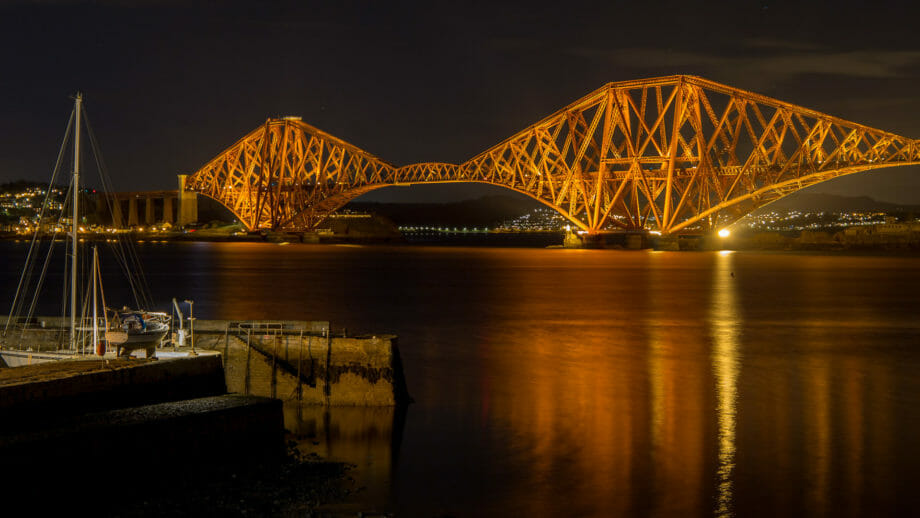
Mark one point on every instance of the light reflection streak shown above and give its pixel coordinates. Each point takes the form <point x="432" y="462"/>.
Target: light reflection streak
<point x="819" y="395"/>
<point x="678" y="373"/>
<point x="724" y="325"/>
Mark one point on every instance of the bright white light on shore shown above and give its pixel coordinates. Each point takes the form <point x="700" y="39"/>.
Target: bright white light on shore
<point x="724" y="232"/>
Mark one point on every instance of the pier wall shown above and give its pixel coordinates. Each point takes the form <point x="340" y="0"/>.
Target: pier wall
<point x="114" y="384"/>
<point x="291" y="360"/>
<point x="39" y="334"/>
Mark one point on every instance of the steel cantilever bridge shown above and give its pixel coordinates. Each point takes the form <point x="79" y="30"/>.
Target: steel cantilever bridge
<point x="677" y="154"/>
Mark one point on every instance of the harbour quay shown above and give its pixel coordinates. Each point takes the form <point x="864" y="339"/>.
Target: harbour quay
<point x="214" y="405"/>
<point x="302" y="361"/>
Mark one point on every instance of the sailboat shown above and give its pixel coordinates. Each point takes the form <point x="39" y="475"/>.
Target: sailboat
<point x="128" y="329"/>
<point x="137" y="329"/>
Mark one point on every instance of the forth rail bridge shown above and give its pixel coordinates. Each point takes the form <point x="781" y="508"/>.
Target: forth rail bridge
<point x="671" y="155"/>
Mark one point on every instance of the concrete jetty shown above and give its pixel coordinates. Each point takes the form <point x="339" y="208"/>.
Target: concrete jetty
<point x="303" y="361"/>
<point x="69" y="386"/>
<point x="293" y="360"/>
<point x="151" y="422"/>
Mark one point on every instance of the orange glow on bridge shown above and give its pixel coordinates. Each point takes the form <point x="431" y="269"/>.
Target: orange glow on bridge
<point x="672" y="154"/>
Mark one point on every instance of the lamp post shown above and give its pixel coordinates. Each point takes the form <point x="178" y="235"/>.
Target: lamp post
<point x="191" y="324"/>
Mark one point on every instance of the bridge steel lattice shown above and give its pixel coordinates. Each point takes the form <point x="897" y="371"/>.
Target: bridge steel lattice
<point x="677" y="154"/>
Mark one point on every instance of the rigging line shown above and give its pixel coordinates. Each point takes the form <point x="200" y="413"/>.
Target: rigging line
<point x="105" y="317"/>
<point x="133" y="271"/>
<point x="119" y="253"/>
<point x="138" y="280"/>
<point x="65" y="289"/>
<point x="19" y="299"/>
<point x="119" y="250"/>
<point x="129" y="257"/>
<point x="28" y="271"/>
<point x="108" y="191"/>
<point x="67" y="245"/>
<point x="41" y="214"/>
<point x="84" y="311"/>
<point x="41" y="278"/>
<point x="144" y="288"/>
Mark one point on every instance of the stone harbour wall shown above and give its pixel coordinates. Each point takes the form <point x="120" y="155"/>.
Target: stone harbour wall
<point x="307" y="365"/>
<point x="291" y="360"/>
<point x="115" y="383"/>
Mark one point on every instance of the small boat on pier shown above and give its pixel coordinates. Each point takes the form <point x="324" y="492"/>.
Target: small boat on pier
<point x="128" y="330"/>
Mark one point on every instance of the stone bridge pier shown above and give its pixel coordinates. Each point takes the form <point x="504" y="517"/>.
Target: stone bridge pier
<point x="144" y="208"/>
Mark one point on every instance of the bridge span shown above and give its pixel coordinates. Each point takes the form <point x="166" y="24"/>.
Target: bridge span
<point x="676" y="154"/>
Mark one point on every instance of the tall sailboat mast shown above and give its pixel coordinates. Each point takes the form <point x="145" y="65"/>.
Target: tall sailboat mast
<point x="78" y="105"/>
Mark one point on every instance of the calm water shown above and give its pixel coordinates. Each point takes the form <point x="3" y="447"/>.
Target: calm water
<point x="599" y="383"/>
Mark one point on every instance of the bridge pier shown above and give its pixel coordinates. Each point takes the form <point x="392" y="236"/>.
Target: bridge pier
<point x="666" y="243"/>
<point x="132" y="211"/>
<point x="167" y="210"/>
<point x="640" y="240"/>
<point x="188" y="204"/>
<point x="687" y="242"/>
<point x="149" y="210"/>
<point x="622" y="240"/>
<point x="150" y="216"/>
<point x="118" y="220"/>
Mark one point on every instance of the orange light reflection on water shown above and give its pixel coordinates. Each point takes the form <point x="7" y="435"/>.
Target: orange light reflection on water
<point x="645" y="384"/>
<point x="725" y="322"/>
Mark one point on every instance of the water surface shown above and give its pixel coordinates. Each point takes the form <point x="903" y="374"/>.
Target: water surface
<point x="598" y="383"/>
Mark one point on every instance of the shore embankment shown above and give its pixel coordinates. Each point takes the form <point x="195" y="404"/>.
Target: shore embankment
<point x="88" y="416"/>
<point x="151" y="437"/>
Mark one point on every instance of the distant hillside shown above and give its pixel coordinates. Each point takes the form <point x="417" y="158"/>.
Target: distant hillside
<point x="21" y="185"/>
<point x="819" y="202"/>
<point x="481" y="212"/>
<point x="493" y="210"/>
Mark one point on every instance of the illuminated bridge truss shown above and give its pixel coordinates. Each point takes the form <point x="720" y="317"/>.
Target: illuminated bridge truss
<point x="677" y="154"/>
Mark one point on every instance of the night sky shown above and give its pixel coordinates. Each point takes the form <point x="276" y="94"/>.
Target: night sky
<point x="170" y="84"/>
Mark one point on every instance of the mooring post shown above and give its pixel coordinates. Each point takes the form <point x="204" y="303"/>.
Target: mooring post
<point x="300" y="370"/>
<point x="274" y="364"/>
<point x="227" y="343"/>
<point x="248" y="358"/>
<point x="327" y="388"/>
<point x="312" y="377"/>
<point x="287" y="356"/>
